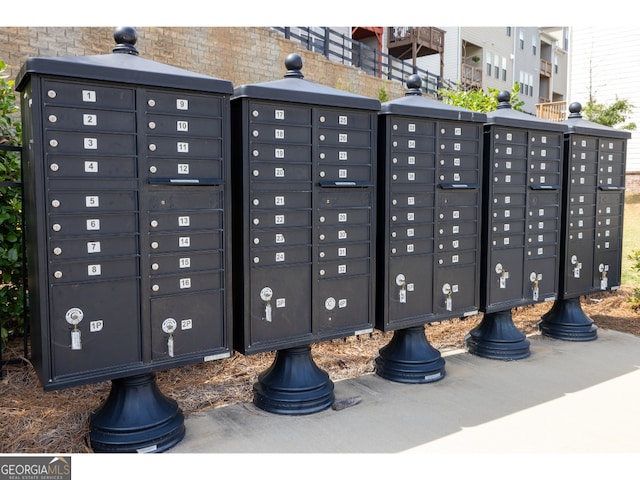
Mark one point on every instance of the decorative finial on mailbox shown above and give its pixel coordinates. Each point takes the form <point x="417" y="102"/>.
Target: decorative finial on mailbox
<point x="414" y="82"/>
<point x="574" y="110"/>
<point x="504" y="99"/>
<point x="125" y="38"/>
<point x="293" y="62"/>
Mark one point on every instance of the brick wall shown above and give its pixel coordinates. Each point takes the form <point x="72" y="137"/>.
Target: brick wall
<point x="241" y="55"/>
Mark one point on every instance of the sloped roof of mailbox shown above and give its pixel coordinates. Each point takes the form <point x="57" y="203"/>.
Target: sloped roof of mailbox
<point x="123" y="66"/>
<point x="293" y="88"/>
<point x="414" y="104"/>
<point x="577" y="124"/>
<point x="506" y="116"/>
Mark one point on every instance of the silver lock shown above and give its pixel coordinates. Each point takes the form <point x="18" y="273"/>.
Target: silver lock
<point x="266" y="294"/>
<point x="73" y="317"/>
<point x="402" y="283"/>
<point x="169" y="326"/>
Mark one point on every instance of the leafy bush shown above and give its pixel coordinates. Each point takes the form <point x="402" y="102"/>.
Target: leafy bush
<point x="11" y="284"/>
<point x="478" y="100"/>
<point x="634" y="299"/>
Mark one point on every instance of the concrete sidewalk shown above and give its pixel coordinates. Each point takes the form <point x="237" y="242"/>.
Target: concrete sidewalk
<point x="567" y="397"/>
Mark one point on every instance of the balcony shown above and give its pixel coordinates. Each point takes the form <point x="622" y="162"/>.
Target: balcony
<point x="545" y="68"/>
<point x="552" y="111"/>
<point x="411" y="42"/>
<point x="471" y="76"/>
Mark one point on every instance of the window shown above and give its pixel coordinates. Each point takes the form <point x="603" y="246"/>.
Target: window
<point x="508" y="31"/>
<point x="488" y="64"/>
<point x="555" y="64"/>
<point x="521" y="40"/>
<point x="504" y="69"/>
<point x="497" y="66"/>
<point x="534" y="45"/>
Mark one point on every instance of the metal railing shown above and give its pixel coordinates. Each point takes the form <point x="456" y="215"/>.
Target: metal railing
<point x="340" y="48"/>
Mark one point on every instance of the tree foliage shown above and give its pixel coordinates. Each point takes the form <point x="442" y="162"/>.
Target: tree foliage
<point x="478" y="100"/>
<point x="613" y="115"/>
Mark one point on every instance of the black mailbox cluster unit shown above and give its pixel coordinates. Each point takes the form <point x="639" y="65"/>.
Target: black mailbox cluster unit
<point x="430" y="169"/>
<point x="304" y="164"/>
<point x="348" y="214"/>
<point x="522" y="203"/>
<point x="591" y="241"/>
<point x="126" y="164"/>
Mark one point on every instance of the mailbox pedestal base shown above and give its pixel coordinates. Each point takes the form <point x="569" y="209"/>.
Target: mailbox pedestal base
<point x="293" y="384"/>
<point x="567" y="321"/>
<point x="409" y="358"/>
<point x="497" y="337"/>
<point x="136" y="418"/>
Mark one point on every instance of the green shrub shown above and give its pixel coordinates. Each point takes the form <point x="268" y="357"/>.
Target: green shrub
<point x="11" y="284"/>
<point x="634" y="299"/>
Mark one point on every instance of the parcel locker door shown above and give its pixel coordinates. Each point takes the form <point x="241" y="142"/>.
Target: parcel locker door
<point x="578" y="268"/>
<point x="87" y="320"/>
<point x="280" y="300"/>
<point x="456" y="290"/>
<point x="188" y="326"/>
<point x="504" y="277"/>
<point x="409" y="289"/>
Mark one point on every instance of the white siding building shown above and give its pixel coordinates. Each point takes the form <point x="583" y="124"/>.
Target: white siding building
<point x="605" y="62"/>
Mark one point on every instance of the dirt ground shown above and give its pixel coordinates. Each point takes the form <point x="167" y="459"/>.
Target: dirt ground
<point x="34" y="421"/>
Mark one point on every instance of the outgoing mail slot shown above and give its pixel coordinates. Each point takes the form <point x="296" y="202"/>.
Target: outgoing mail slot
<point x="85" y="94"/>
<point x="184" y="241"/>
<point x="184" y="198"/>
<point x="73" y="118"/>
<point x="89" y="143"/>
<point x="101" y="224"/>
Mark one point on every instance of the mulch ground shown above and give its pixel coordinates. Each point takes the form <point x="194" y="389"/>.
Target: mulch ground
<point x="34" y="421"/>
